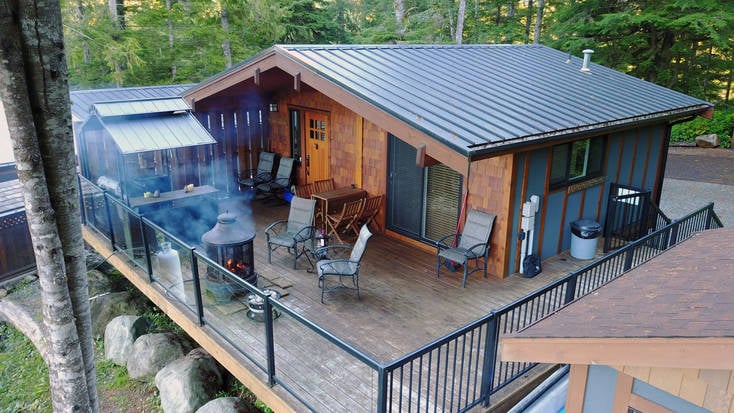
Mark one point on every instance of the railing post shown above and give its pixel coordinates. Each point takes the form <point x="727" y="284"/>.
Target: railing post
<point x="382" y="375"/>
<point x="571" y="288"/>
<point x="490" y="358"/>
<point x="709" y="214"/>
<point x="197" y="287"/>
<point x="628" y="257"/>
<point x="269" y="339"/>
<point x="673" y="234"/>
<point x="146" y="246"/>
<point x="109" y="220"/>
<point x="82" y="210"/>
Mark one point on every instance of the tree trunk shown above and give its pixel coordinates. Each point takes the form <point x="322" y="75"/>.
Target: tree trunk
<point x="171" y="39"/>
<point x="527" y="21"/>
<point x="226" y="46"/>
<point x="33" y="75"/>
<point x="460" y="22"/>
<point x="400" y="19"/>
<point x="538" y="21"/>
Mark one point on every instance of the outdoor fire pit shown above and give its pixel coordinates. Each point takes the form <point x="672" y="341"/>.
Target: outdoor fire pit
<point x="231" y="245"/>
<point x="256" y="305"/>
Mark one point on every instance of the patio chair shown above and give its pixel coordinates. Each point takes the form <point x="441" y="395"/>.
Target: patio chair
<point x="323" y="185"/>
<point x="369" y="212"/>
<point x="472" y="243"/>
<point x="304" y="191"/>
<point x="296" y="233"/>
<point x="280" y="182"/>
<point x="264" y="172"/>
<point x="340" y="268"/>
<point x="342" y="221"/>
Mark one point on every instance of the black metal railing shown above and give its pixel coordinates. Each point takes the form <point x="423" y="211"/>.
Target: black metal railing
<point x="454" y="373"/>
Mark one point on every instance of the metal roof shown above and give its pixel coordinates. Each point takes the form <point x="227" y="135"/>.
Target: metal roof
<point x="82" y="100"/>
<point x="478" y="98"/>
<point x="149" y="125"/>
<point x="11" y="197"/>
<point x="138" y="107"/>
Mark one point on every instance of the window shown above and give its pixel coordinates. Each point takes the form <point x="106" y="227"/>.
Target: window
<point x="576" y="161"/>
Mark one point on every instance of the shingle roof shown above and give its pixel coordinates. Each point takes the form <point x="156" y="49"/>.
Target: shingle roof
<point x="82" y="100"/>
<point x="476" y="98"/>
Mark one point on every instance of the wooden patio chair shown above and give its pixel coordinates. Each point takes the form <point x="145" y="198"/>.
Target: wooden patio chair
<point x="342" y="221"/>
<point x="296" y="233"/>
<point x="323" y="185"/>
<point x="369" y="212"/>
<point x="341" y="268"/>
<point x="304" y="191"/>
<point x="471" y="243"/>
<point x="280" y="182"/>
<point x="264" y="172"/>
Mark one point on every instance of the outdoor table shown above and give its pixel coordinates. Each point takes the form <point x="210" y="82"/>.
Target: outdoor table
<point x="331" y="201"/>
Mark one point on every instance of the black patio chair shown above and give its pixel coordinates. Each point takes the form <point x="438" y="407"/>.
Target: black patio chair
<point x="471" y="243"/>
<point x="280" y="182"/>
<point x="264" y="172"/>
<point x="296" y="233"/>
<point x="340" y="268"/>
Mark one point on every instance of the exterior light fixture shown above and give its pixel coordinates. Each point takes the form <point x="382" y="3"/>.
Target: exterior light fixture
<point x="273" y="107"/>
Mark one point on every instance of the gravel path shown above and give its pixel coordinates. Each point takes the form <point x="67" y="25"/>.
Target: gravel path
<point x="697" y="176"/>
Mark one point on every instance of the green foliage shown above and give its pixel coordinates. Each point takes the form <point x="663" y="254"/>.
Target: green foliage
<point x="721" y="125"/>
<point x="24" y="385"/>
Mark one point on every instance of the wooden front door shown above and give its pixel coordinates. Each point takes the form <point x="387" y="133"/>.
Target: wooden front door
<point x="317" y="146"/>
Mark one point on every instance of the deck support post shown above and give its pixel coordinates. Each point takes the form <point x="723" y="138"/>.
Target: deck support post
<point x="382" y="376"/>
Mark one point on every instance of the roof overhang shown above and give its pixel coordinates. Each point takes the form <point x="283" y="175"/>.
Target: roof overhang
<point x="670" y="352"/>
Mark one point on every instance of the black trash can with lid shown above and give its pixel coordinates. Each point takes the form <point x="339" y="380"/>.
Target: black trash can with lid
<point x="584" y="236"/>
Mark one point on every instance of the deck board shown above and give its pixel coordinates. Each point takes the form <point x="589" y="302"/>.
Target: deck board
<point x="403" y="306"/>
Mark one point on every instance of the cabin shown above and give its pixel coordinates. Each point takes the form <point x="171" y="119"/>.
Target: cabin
<point x="440" y="129"/>
<point x="675" y="358"/>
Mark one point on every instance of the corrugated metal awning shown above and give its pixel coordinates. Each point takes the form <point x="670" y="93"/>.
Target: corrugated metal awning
<point x="82" y="100"/>
<point x="141" y="106"/>
<point x="143" y="134"/>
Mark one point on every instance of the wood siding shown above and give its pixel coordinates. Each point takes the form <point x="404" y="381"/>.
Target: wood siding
<point x="710" y="389"/>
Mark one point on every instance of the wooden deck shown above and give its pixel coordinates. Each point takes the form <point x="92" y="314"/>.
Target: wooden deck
<point x="403" y="306"/>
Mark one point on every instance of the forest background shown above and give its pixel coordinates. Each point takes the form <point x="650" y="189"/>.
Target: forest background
<point x="685" y="45"/>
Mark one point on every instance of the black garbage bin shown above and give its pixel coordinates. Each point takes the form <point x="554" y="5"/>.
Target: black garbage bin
<point x="585" y="234"/>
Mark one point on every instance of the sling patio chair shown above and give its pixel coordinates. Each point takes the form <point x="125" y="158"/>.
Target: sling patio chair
<point x="340" y="222"/>
<point x="264" y="172"/>
<point x="337" y="269"/>
<point x="471" y="243"/>
<point x="280" y="182"/>
<point x="296" y="233"/>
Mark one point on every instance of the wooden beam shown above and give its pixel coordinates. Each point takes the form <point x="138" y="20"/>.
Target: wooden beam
<point x="675" y="352"/>
<point x="297" y="82"/>
<point x="577" y="378"/>
<point x="257" y="76"/>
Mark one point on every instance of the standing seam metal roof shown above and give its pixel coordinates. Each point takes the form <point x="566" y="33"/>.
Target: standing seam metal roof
<point x="475" y="97"/>
<point x="82" y="100"/>
<point x="151" y="124"/>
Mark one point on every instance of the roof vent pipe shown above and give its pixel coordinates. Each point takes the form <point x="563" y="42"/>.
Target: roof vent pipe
<point x="587" y="57"/>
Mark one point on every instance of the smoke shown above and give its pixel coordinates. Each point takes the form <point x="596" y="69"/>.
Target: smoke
<point x="190" y="222"/>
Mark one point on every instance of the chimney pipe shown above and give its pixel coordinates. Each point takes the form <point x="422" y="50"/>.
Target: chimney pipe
<point x="587" y="57"/>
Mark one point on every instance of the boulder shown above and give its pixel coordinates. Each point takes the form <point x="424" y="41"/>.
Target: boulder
<point x="189" y="382"/>
<point x="105" y="307"/>
<point x="151" y="352"/>
<point x="707" y="141"/>
<point x="99" y="283"/>
<point x="228" y="405"/>
<point x="120" y="335"/>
